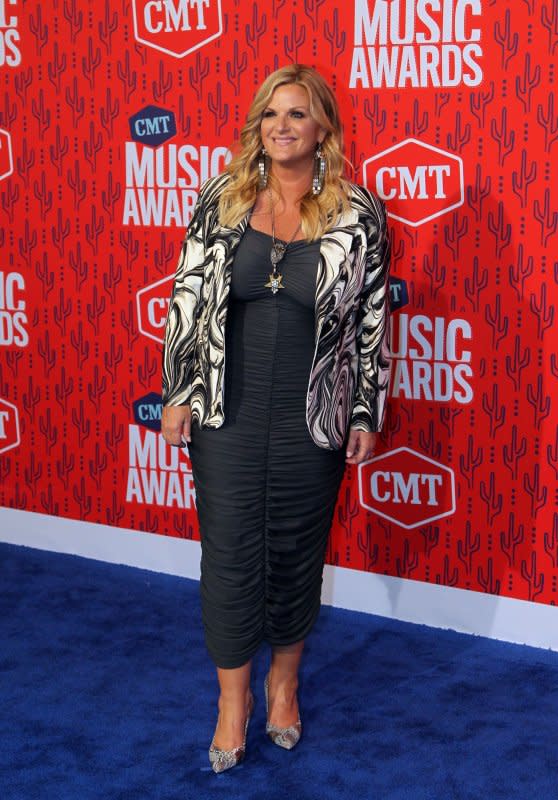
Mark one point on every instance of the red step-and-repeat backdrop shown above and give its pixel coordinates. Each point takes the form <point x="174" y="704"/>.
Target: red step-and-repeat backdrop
<point x="113" y="114"/>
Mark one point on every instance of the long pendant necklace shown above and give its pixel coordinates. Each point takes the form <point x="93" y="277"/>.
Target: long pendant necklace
<point x="278" y="251"/>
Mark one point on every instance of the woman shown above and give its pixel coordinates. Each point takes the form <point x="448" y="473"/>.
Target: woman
<point x="283" y="278"/>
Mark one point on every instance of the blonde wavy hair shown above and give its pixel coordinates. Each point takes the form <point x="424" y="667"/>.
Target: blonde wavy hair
<point x="318" y="213"/>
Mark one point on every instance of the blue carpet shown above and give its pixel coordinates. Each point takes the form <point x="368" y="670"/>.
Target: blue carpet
<point x="107" y="692"/>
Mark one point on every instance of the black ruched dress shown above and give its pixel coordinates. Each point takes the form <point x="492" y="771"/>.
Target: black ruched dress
<point x="265" y="492"/>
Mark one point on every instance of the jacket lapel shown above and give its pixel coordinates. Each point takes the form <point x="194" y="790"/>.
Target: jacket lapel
<point x="334" y="250"/>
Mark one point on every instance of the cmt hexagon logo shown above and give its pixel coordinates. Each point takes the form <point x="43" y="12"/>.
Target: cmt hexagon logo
<point x="407" y="488"/>
<point x="147" y="411"/>
<point x="152" y="126"/>
<point x="398" y="293"/>
<point x="9" y="426"/>
<point x="177" y="27"/>
<point x="419" y="182"/>
<point x="153" y="306"/>
<point x="6" y="157"/>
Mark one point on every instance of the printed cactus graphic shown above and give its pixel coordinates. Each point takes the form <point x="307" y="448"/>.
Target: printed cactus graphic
<point x="294" y="39"/>
<point x="543" y="311"/>
<point x="535" y="580"/>
<point x="334" y="35"/>
<point x="236" y="68"/>
<point x="368" y="547"/>
<point x="525" y="83"/>
<point x="551" y="541"/>
<point x="449" y="576"/>
<point x="346" y="513"/>
<point x="548" y="121"/>
<point x="503" y="135"/>
<point x="74" y="18"/>
<point x="539" y="401"/>
<point x="39" y="29"/>
<point x="467" y="548"/>
<point x="516" y="363"/>
<point x="487" y="580"/>
<point x="219" y="109"/>
<point x="75" y="101"/>
<point x="109" y="113"/>
<point x="524" y="178"/>
<point x="549" y="19"/>
<point x="91" y="62"/>
<point x="419" y="123"/>
<point x="406" y="564"/>
<point x="501" y="230"/>
<point x="107" y="27"/>
<point x="478" y="193"/>
<point x="454" y="234"/>
<point x="508" y="41"/>
<point x="460" y="136"/>
<point x="57" y="67"/>
<point x="376" y="116"/>
<point x="479" y="102"/>
<point x="127" y="76"/>
<point x="546" y="217"/>
<point x="163" y="85"/>
<point x="537" y="493"/>
<point x="514" y="451"/>
<point x="491" y="498"/>
<point x="312" y="10"/>
<point x="255" y="30"/>
<point x="511" y="539"/>
<point x="496" y="413"/>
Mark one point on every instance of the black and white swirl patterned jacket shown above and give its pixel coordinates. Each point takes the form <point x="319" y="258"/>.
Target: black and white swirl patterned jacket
<point x="349" y="376"/>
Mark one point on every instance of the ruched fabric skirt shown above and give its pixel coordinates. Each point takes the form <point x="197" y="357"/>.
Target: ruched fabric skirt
<point x="265" y="492"/>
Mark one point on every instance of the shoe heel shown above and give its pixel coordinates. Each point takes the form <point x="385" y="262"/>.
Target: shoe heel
<point x="222" y="760"/>
<point x="286" y="738"/>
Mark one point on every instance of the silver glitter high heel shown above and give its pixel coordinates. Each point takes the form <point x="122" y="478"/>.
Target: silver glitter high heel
<point x="221" y="760"/>
<point x="283" y="737"/>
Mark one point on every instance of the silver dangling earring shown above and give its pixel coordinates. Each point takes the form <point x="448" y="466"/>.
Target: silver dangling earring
<point x="319" y="171"/>
<point x="262" y="168"/>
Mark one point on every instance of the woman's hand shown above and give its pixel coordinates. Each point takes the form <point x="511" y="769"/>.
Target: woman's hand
<point x="361" y="445"/>
<point x="175" y="424"/>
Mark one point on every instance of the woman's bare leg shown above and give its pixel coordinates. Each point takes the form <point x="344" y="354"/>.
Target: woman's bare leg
<point x="234" y="704"/>
<point x="283" y="684"/>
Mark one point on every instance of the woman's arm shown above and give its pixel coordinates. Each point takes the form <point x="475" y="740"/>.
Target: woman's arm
<point x="372" y="323"/>
<point x="181" y="326"/>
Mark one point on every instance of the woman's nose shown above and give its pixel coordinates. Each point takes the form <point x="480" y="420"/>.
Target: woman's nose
<point x="283" y="122"/>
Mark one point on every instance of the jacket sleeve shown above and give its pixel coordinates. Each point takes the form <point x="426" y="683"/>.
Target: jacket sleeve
<point x="184" y="308"/>
<point x="372" y="332"/>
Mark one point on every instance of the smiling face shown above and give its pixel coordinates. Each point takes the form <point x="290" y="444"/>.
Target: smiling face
<point x="288" y="131"/>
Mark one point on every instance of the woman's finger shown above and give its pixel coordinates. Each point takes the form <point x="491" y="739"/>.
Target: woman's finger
<point x="186" y="428"/>
<point x="352" y="443"/>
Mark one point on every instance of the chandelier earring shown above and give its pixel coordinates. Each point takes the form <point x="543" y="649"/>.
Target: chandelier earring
<point x="319" y="171"/>
<point x="263" y="168"/>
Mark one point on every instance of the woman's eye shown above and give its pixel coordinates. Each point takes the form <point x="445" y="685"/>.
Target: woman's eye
<point x="296" y="114"/>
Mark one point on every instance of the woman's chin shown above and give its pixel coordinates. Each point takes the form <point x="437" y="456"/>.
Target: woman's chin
<point x="291" y="160"/>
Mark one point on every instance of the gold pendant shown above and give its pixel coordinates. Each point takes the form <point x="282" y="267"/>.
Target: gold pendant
<point x="275" y="282"/>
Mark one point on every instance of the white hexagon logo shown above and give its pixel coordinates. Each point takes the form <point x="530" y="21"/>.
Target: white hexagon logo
<point x="6" y="157"/>
<point x="153" y="305"/>
<point x="9" y="426"/>
<point x="177" y="27"/>
<point x="407" y="488"/>
<point x="418" y="181"/>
